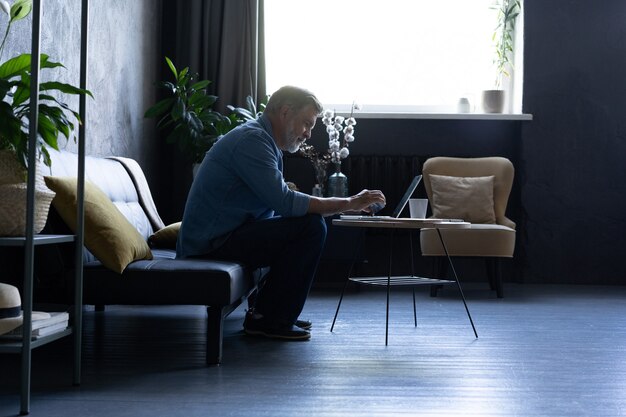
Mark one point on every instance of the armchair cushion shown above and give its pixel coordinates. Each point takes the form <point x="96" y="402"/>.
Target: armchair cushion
<point x="467" y="198"/>
<point x="109" y="236"/>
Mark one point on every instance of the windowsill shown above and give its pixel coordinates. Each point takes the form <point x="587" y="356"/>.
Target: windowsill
<point x="445" y="116"/>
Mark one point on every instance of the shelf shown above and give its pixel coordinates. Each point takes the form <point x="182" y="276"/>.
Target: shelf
<point x="13" y="346"/>
<point x="28" y="242"/>
<point x="400" y="280"/>
<point x="37" y="240"/>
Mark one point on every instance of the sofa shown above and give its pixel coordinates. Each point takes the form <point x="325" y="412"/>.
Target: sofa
<point x="150" y="276"/>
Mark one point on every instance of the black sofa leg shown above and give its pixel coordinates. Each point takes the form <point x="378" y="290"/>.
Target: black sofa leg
<point x="99" y="307"/>
<point x="215" y="329"/>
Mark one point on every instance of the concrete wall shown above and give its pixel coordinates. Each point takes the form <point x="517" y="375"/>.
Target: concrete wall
<point x="124" y="45"/>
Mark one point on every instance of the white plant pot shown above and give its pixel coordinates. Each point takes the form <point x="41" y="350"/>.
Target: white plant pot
<point x="493" y="101"/>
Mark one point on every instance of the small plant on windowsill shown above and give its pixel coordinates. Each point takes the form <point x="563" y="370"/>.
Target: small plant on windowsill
<point x="503" y="41"/>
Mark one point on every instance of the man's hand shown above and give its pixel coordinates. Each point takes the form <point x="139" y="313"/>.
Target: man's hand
<point x="368" y="198"/>
<point x="356" y="203"/>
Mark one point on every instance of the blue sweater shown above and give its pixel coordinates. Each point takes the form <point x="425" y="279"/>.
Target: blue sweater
<point x="240" y="180"/>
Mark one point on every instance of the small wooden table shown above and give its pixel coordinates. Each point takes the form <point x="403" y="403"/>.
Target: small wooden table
<point x="411" y="280"/>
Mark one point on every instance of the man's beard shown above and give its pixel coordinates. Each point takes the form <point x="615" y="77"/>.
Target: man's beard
<point x="293" y="144"/>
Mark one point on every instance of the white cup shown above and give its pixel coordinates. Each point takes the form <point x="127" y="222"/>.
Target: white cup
<point x="418" y="207"/>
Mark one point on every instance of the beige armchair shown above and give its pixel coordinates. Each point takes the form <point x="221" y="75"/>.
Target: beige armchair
<point x="476" y="190"/>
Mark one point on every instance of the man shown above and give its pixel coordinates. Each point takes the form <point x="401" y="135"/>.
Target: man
<point x="239" y="208"/>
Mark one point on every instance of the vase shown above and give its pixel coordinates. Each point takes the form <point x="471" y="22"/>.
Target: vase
<point x="338" y="183"/>
<point x="320" y="178"/>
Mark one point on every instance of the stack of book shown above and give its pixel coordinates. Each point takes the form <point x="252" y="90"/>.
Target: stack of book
<point x="43" y="324"/>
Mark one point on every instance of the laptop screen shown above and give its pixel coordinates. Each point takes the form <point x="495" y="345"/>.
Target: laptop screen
<point x="407" y="195"/>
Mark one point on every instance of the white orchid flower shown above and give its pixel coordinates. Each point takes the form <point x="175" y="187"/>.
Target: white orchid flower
<point x="335" y="126"/>
<point x="6" y="7"/>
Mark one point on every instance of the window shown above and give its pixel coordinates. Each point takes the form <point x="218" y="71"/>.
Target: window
<point x="391" y="55"/>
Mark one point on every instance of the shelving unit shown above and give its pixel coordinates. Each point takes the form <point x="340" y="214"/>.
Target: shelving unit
<point x="31" y="240"/>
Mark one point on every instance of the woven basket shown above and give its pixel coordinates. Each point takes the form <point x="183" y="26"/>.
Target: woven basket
<point x="13" y="209"/>
<point x="11" y="172"/>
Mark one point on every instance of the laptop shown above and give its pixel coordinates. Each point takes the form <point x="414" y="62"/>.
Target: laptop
<point x="396" y="213"/>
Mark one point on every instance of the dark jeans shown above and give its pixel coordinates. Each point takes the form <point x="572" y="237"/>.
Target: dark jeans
<point x="291" y="247"/>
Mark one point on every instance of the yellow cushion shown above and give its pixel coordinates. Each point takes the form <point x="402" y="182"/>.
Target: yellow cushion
<point x="166" y="237"/>
<point x="108" y="234"/>
<point x="467" y="198"/>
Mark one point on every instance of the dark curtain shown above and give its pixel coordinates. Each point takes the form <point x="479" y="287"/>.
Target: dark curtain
<point x="222" y="41"/>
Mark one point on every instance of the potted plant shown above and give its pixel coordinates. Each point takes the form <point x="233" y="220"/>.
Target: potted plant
<point x="15" y="106"/>
<point x="507" y="12"/>
<point x="54" y="118"/>
<point x="250" y="112"/>
<point x="187" y="114"/>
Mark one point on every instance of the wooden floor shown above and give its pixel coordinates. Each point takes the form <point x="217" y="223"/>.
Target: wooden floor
<point x="541" y="351"/>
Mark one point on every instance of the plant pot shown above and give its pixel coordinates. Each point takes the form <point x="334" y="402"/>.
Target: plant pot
<point x="493" y="101"/>
<point x="13" y="209"/>
<point x="13" y="190"/>
<point x="11" y="172"/>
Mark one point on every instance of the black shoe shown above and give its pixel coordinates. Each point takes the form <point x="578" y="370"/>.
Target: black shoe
<point x="260" y="327"/>
<point x="304" y="324"/>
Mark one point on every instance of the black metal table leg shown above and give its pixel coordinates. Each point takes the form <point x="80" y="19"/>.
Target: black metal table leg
<point x="456" y="278"/>
<point x="389" y="286"/>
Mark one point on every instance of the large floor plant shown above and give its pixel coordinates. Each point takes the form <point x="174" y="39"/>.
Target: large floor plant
<point x="187" y="116"/>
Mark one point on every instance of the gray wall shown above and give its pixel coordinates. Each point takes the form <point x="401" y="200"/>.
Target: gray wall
<point x="124" y="45"/>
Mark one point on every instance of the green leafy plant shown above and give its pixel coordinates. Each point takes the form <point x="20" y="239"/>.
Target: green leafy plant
<point x="19" y="10"/>
<point x="188" y="115"/>
<point x="15" y="106"/>
<point x="250" y="112"/>
<point x="507" y="10"/>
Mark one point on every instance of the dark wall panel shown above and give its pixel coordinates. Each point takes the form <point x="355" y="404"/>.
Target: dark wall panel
<point x="572" y="155"/>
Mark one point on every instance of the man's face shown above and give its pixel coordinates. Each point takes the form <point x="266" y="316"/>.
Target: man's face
<point x="298" y="128"/>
